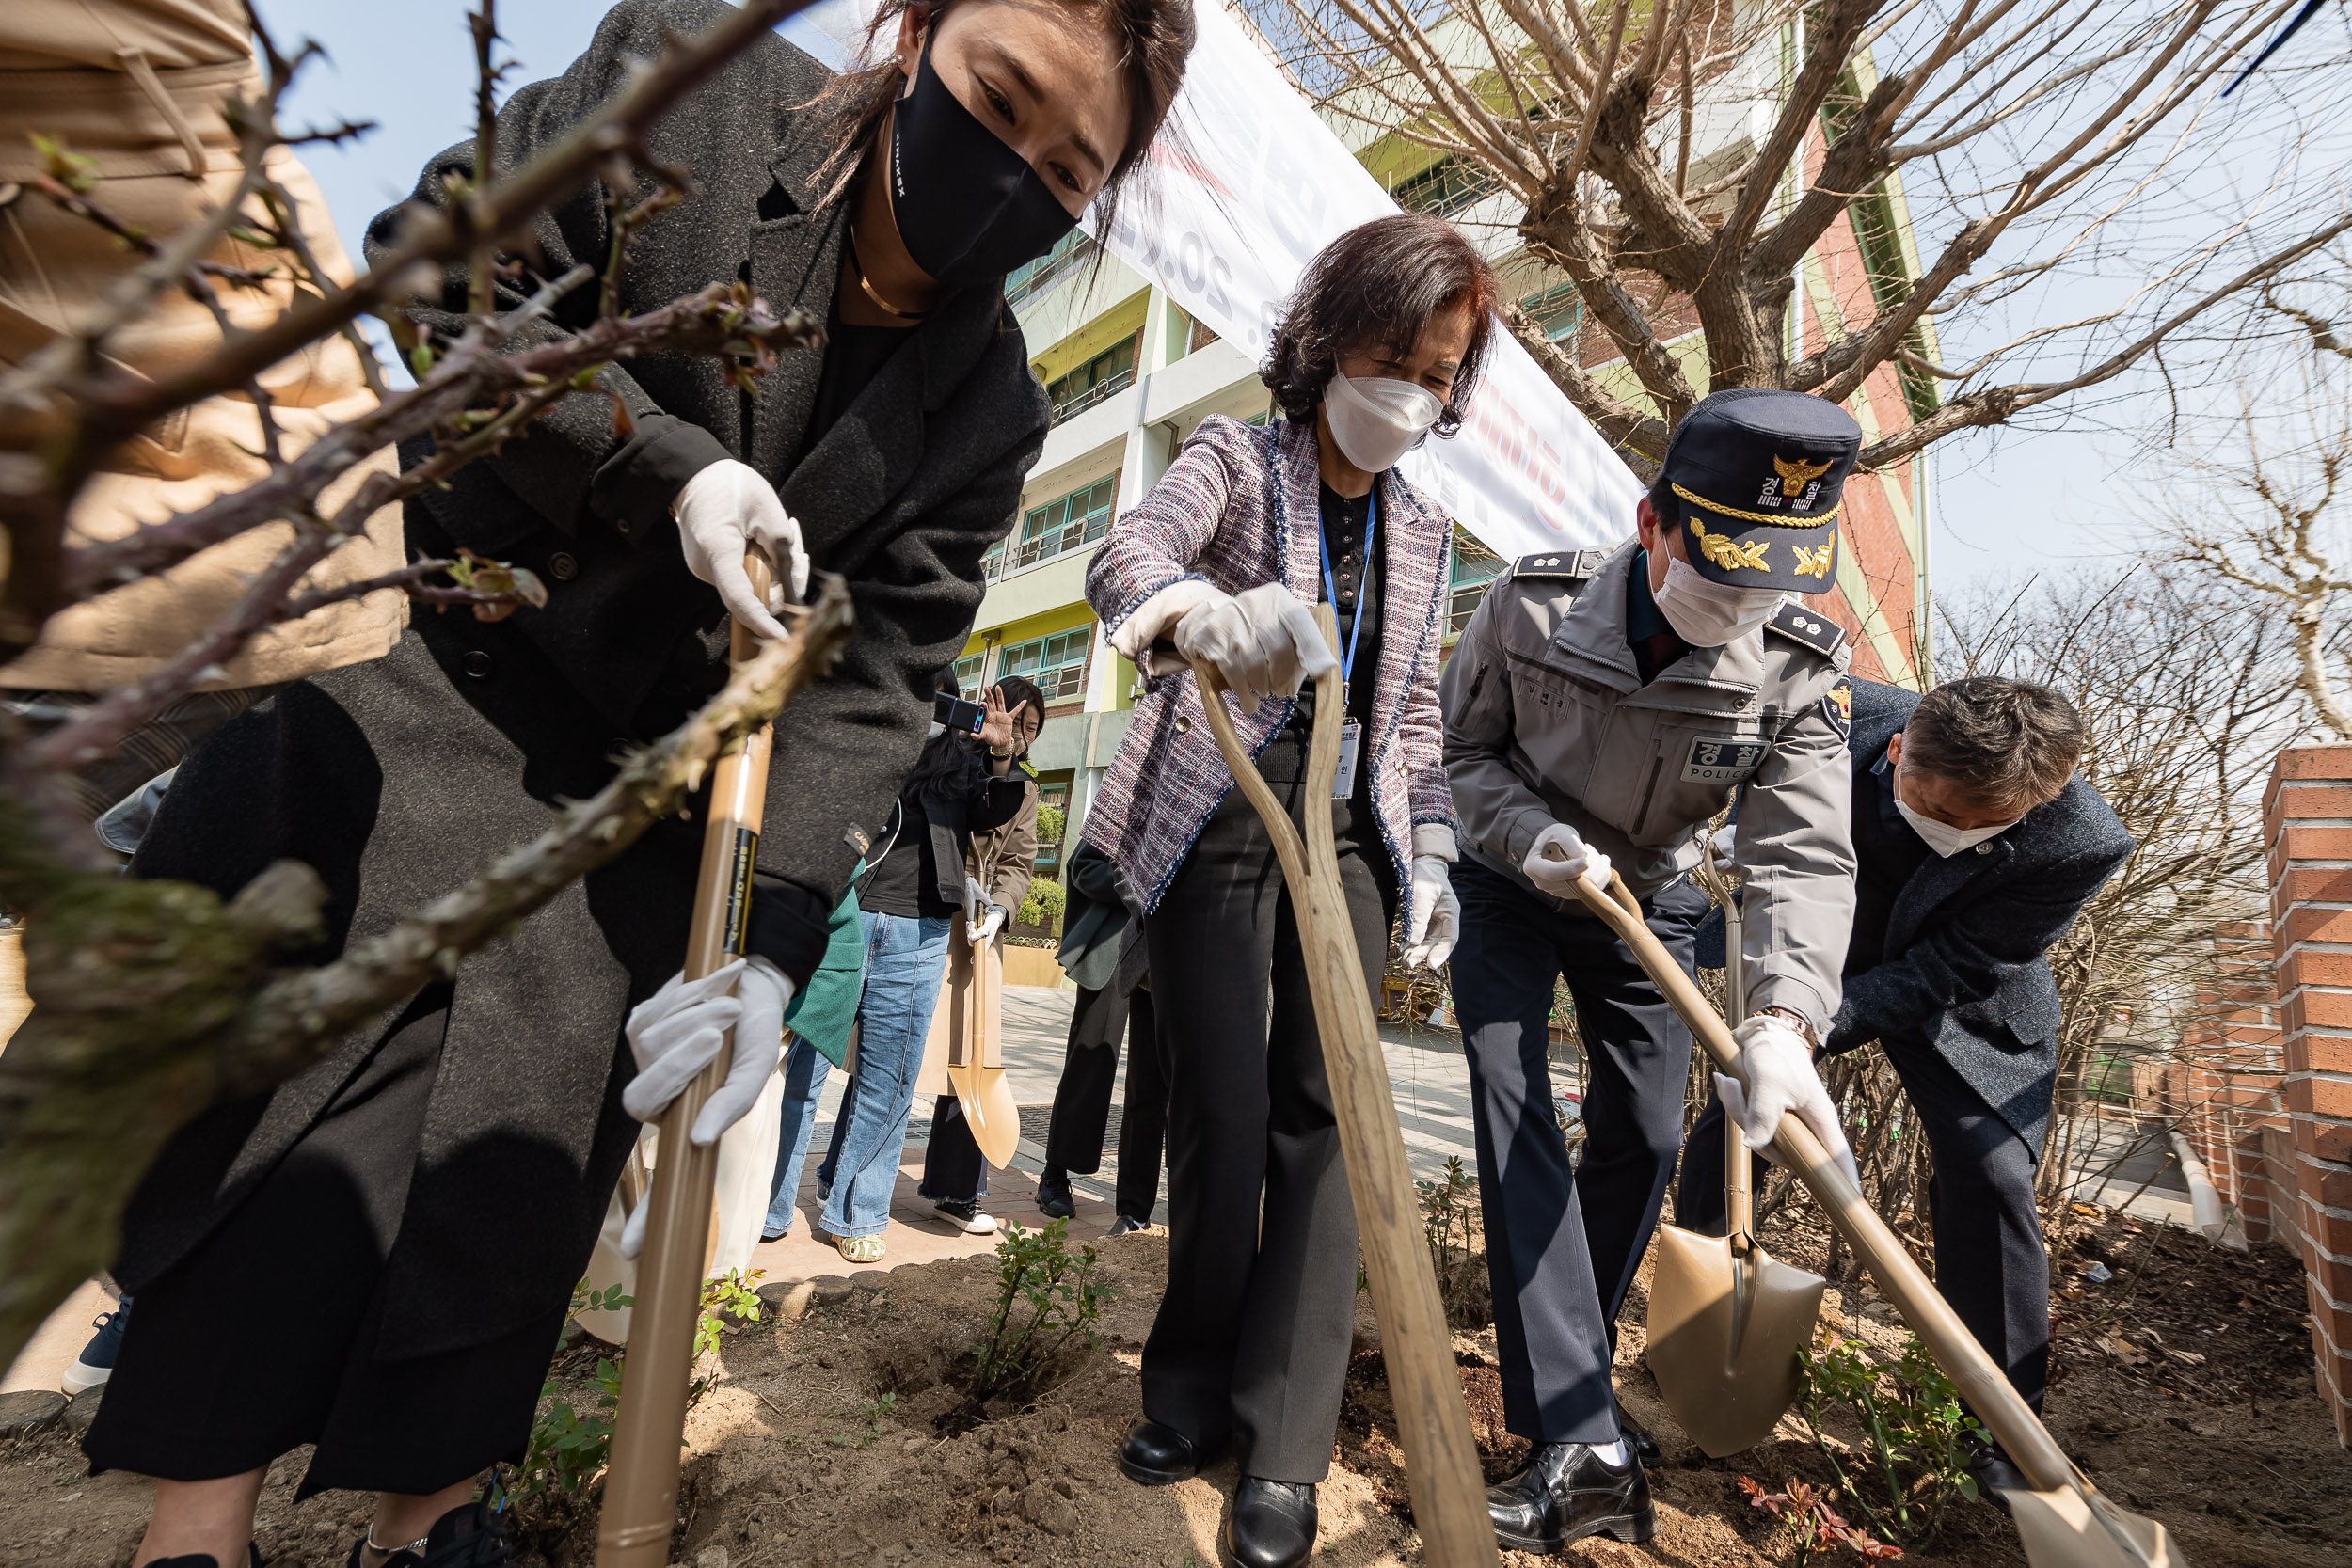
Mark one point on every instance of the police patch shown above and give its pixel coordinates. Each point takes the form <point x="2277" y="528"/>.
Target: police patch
<point x="1722" y="759"/>
<point x="1837" y="703"/>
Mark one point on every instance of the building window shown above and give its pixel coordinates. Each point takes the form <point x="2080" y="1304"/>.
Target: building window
<point x="1063" y="523"/>
<point x="1476" y="568"/>
<point x="1052" y="799"/>
<point x="1057" y="663"/>
<point x="1099" y="379"/>
<point x="1558" y="310"/>
<point x="968" y="671"/>
<point x="1070" y="252"/>
<point x="1444" y="188"/>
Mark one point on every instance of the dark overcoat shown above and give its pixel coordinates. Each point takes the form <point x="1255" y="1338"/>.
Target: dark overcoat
<point x="1963" y="970"/>
<point x="399" y="778"/>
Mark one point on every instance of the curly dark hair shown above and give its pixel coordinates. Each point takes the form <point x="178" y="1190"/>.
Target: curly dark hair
<point x="1376" y="285"/>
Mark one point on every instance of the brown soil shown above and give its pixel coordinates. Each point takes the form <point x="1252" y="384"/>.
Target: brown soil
<point x="2183" y="1385"/>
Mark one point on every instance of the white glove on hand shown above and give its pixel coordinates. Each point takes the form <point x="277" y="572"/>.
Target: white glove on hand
<point x="675" y="1033"/>
<point x="992" y="923"/>
<point x="1781" y="1078"/>
<point x="974" y="900"/>
<point x="721" y="512"/>
<point x="1719" y="844"/>
<point x="1558" y="860"/>
<point x="1436" y="915"/>
<point x="1262" y="640"/>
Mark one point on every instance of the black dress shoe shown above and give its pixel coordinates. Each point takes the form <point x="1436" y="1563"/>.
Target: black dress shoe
<point x="1053" y="1196"/>
<point x="467" y="1536"/>
<point x="1127" y="1225"/>
<point x="206" y="1560"/>
<point x="1637" y="1439"/>
<point x="1274" y="1524"/>
<point x="1157" y="1455"/>
<point x="1566" y="1494"/>
<point x="1995" y="1472"/>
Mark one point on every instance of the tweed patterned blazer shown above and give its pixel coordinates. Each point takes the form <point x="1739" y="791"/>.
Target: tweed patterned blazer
<point x="1240" y="507"/>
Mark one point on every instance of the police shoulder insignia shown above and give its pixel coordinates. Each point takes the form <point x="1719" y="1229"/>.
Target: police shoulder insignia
<point x="1574" y="565"/>
<point x="1816" y="631"/>
<point x="1837" y="704"/>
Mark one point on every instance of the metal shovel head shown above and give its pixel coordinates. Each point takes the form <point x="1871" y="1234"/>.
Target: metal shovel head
<point x="2067" y="1529"/>
<point x="1724" y="1336"/>
<point x="975" y="1054"/>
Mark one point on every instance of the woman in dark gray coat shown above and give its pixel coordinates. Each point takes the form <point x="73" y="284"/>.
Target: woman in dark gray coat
<point x="377" y="1258"/>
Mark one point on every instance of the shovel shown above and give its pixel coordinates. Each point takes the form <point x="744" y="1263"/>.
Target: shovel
<point x="1726" y="1318"/>
<point x="975" y="1062"/>
<point x="641" y="1486"/>
<point x="2064" y="1521"/>
<point x="1449" y="1490"/>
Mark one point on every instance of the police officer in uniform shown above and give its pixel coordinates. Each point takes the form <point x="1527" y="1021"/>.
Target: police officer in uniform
<point x="1601" y="708"/>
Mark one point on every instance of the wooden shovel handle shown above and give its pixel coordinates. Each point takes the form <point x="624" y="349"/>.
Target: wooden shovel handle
<point x="641" y="1487"/>
<point x="2011" y="1421"/>
<point x="1441" y="1466"/>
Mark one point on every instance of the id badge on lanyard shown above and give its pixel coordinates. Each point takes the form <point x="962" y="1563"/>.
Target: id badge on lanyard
<point x="1351" y="733"/>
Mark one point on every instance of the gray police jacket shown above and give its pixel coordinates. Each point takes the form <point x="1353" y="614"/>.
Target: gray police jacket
<point x="1546" y="720"/>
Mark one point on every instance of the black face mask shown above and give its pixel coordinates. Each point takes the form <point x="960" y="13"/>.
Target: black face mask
<point x="968" y="207"/>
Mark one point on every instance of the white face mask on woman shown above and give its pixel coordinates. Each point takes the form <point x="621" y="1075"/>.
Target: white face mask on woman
<point x="1707" y="614"/>
<point x="1378" y="421"/>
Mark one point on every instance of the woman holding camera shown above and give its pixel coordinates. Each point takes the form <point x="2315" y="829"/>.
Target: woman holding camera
<point x="433" y="1190"/>
<point x="1381" y="345"/>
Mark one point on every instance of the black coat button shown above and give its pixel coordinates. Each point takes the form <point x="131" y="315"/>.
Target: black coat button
<point x="476" y="664"/>
<point x="563" y="567"/>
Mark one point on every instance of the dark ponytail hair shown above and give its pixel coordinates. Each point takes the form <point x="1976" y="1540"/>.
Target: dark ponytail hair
<point x="1154" y="37"/>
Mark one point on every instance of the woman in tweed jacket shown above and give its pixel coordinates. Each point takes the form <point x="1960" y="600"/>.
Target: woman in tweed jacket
<point x="1381" y="341"/>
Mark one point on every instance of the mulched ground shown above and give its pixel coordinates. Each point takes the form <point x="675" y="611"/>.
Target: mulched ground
<point x="2183" y="1385"/>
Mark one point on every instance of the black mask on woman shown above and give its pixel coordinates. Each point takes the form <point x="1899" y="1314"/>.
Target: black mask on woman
<point x="968" y="207"/>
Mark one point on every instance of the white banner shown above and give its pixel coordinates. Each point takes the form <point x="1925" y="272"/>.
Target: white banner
<point x="1229" y="223"/>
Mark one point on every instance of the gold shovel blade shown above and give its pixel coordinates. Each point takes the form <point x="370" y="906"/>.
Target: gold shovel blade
<point x="2067" y="1529"/>
<point x="1723" y="1336"/>
<point x="975" y="1062"/>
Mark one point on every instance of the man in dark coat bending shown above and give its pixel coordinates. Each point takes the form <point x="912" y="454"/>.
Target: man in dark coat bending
<point x="1976" y="845"/>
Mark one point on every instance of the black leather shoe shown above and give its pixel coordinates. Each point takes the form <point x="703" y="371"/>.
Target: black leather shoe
<point x="1127" y="1225"/>
<point x="1566" y="1494"/>
<point x="1994" y="1473"/>
<point x="1274" y="1524"/>
<point x="1157" y="1455"/>
<point x="1053" y="1196"/>
<point x="1637" y="1439"/>
<point x="468" y="1536"/>
<point x="206" y="1560"/>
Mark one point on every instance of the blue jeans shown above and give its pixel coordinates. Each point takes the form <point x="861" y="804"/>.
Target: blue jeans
<point x="905" y="962"/>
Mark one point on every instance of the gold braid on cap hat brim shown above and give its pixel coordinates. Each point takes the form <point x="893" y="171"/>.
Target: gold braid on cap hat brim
<point x="1776" y="521"/>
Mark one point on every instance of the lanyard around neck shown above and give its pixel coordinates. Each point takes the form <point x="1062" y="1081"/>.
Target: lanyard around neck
<point x="1331" y="590"/>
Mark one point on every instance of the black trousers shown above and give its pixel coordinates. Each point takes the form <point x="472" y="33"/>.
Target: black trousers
<point x="1990" y="1263"/>
<point x="1082" y="1101"/>
<point x="1563" y="1241"/>
<point x="264" y="1338"/>
<point x="1252" y="1337"/>
<point x="953" y="1170"/>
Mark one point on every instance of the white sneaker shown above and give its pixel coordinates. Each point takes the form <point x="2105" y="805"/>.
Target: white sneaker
<point x="970" y="1218"/>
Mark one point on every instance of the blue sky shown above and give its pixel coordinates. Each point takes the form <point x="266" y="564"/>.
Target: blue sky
<point x="2002" y="503"/>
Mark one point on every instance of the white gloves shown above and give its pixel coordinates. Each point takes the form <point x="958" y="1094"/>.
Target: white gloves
<point x="974" y="900"/>
<point x="1436" y="915"/>
<point x="1781" y="1078"/>
<point x="1719" y="844"/>
<point x="1262" y="640"/>
<point x="1558" y="860"/>
<point x="675" y="1034"/>
<point x="993" y="923"/>
<point x="721" y="512"/>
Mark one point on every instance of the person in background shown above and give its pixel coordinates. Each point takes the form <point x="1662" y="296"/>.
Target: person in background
<point x="997" y="870"/>
<point x="1106" y="956"/>
<point x="432" y="1191"/>
<point x="1600" y="710"/>
<point x="907" y="900"/>
<point x="1380" y="344"/>
<point x="1976" y="845"/>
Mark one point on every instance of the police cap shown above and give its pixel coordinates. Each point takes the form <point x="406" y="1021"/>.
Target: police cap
<point x="1761" y="476"/>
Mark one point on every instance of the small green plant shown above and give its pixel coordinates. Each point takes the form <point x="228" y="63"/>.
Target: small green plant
<point x="1913" y="1453"/>
<point x="1042" y="904"/>
<point x="876" y="1411"/>
<point x="1813" y="1525"/>
<point x="568" y="1447"/>
<point x="1050" y="822"/>
<point x="1447" y="1205"/>
<point x="1047" y="1299"/>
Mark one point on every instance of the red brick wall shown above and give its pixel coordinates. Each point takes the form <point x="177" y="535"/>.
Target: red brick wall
<point x="2307" y="828"/>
